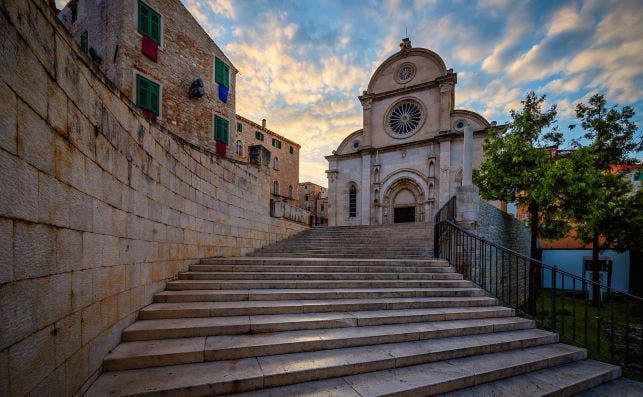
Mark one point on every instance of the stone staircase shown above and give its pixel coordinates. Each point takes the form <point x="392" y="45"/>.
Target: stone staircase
<point x="292" y="326"/>
<point x="404" y="240"/>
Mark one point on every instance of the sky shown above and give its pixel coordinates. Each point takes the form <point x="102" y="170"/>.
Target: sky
<point x="303" y="63"/>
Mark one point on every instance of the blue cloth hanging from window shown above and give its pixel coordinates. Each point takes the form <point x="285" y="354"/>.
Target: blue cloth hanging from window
<point x="223" y="93"/>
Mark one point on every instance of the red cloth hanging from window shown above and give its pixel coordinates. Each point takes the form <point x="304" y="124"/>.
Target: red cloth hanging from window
<point x="149" y="48"/>
<point x="221" y="148"/>
<point x="150" y="115"/>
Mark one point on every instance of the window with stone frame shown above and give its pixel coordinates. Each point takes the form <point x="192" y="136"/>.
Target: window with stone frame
<point x="292" y="150"/>
<point x="84" y="42"/>
<point x="276" y="143"/>
<point x="275" y="188"/>
<point x="352" y="201"/>
<point x="149" y="22"/>
<point x="259" y="136"/>
<point x="276" y="163"/>
<point x="148" y="94"/>
<point x="290" y="191"/>
<point x="239" y="148"/>
<point x="239" y="127"/>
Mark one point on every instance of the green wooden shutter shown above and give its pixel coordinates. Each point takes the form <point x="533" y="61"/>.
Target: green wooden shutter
<point x="149" y="22"/>
<point x="148" y="94"/>
<point x="143" y="18"/>
<point x="155" y="27"/>
<point x="239" y="127"/>
<point x="221" y="72"/>
<point x="221" y="126"/>
<point x="84" y="41"/>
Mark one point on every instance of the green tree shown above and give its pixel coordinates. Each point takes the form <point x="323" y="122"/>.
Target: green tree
<point x="519" y="168"/>
<point x="600" y="201"/>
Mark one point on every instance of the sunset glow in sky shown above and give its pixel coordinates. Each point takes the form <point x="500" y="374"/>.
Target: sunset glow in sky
<point x="303" y="63"/>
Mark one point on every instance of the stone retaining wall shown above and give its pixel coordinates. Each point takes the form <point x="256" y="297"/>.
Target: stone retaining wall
<point x="98" y="208"/>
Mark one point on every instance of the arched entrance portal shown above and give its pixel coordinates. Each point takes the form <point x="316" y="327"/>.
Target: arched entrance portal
<point x="404" y="202"/>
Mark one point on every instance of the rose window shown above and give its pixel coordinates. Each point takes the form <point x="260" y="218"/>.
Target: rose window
<point x="405" y="118"/>
<point x="405" y="73"/>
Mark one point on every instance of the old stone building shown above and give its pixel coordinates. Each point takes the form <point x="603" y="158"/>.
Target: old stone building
<point x="313" y="198"/>
<point x="284" y="156"/>
<point x="406" y="161"/>
<point x="154" y="51"/>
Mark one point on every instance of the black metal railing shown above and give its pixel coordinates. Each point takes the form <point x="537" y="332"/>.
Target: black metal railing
<point x="607" y="322"/>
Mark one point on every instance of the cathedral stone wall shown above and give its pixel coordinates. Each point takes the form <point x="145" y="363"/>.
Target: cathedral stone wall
<point x="98" y="207"/>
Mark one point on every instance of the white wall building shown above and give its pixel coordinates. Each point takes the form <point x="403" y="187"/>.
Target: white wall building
<point x="406" y="161"/>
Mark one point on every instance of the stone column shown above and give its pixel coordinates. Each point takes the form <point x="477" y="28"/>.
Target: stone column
<point x="367" y="103"/>
<point x="333" y="203"/>
<point x="467" y="156"/>
<point x="467" y="195"/>
<point x="446" y="105"/>
<point x="364" y="206"/>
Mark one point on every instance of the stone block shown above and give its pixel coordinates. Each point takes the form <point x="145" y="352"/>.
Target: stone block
<point x="9" y="48"/>
<point x="56" y="107"/>
<point x="81" y="285"/>
<point x="124" y="304"/>
<point x="19" y="193"/>
<point x="102" y="218"/>
<point x="8" y="120"/>
<point x="81" y="132"/>
<point x="91" y="323"/>
<point x="69" y="164"/>
<point x="76" y="370"/>
<point x="53" y="201"/>
<point x="66" y="69"/>
<point x="35" y="139"/>
<point x="92" y="250"/>
<point x="6" y="248"/>
<point x="32" y="24"/>
<point x="81" y="211"/>
<point x="108" y="281"/>
<point x="109" y="311"/>
<point x="67" y="340"/>
<point x="4" y="372"/>
<point x="31" y="360"/>
<point x="34" y="250"/>
<point x="69" y="249"/>
<point x="52" y="385"/>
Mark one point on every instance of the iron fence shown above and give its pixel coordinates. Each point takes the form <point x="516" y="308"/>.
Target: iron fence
<point x="607" y="322"/>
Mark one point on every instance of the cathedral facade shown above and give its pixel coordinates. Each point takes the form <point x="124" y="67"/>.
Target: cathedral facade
<point x="407" y="160"/>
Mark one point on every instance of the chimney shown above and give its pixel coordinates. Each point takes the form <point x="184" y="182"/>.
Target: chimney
<point x="263" y="123"/>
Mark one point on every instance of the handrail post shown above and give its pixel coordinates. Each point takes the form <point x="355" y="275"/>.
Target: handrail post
<point x="531" y="307"/>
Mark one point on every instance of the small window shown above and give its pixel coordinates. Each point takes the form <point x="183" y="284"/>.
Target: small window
<point x="355" y="144"/>
<point x="306" y="198"/>
<point x="292" y="150"/>
<point x="321" y="207"/>
<point x="239" y="127"/>
<point x="258" y="136"/>
<point x="221" y="129"/>
<point x="352" y="201"/>
<point x="74" y="12"/>
<point x="290" y="191"/>
<point x="276" y="165"/>
<point x="84" y="42"/>
<point x="275" y="188"/>
<point x="149" y="22"/>
<point x="147" y="94"/>
<point x="221" y="72"/>
<point x="276" y="143"/>
<point x="239" y="148"/>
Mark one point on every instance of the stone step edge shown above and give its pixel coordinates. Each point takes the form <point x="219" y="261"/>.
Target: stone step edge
<point x="142" y="353"/>
<point x="236" y="325"/>
<point x="252" y="374"/>
<point x="208" y="295"/>
<point x="563" y="380"/>
<point x="157" y="310"/>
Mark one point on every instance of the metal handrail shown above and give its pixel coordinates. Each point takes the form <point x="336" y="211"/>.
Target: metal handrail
<point x="606" y="321"/>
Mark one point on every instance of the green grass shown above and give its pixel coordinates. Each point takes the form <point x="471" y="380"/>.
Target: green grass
<point x="591" y="327"/>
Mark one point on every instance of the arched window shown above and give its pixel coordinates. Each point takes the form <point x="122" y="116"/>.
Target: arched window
<point x="352" y="201"/>
<point x="275" y="188"/>
<point x="239" y="148"/>
<point x="276" y="165"/>
<point x="290" y="191"/>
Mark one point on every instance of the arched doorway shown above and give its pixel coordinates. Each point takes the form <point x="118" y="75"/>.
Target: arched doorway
<point x="404" y="202"/>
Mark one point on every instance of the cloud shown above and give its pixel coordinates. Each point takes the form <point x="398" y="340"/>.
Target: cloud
<point x="564" y="20"/>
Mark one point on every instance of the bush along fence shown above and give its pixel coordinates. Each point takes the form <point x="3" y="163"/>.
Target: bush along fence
<point x="607" y="322"/>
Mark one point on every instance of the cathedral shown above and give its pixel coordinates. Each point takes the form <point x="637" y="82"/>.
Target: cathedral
<point x="407" y="160"/>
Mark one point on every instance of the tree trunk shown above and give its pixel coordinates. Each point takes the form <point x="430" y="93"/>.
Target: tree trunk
<point x="534" y="217"/>
<point x="535" y="273"/>
<point x="596" y="298"/>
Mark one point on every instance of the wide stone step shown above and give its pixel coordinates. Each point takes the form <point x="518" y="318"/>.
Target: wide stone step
<point x="345" y="255"/>
<point x="563" y="380"/>
<point x="284" y="260"/>
<point x="232" y="325"/>
<point x="143" y="354"/>
<point x="196" y="275"/>
<point x="323" y="284"/>
<point x="320" y="269"/>
<point x="317" y="293"/>
<point x="246" y="308"/>
<point x="535" y="351"/>
<point x="619" y="387"/>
